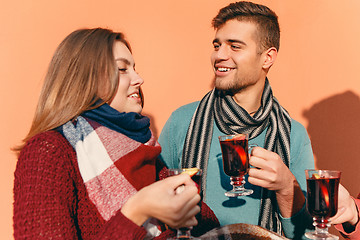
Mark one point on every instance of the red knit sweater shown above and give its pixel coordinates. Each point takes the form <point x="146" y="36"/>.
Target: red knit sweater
<point x="51" y="202"/>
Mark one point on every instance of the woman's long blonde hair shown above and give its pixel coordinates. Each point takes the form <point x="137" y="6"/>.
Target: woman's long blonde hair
<point x="81" y="72"/>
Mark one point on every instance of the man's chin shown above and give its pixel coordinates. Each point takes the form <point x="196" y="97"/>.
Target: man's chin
<point x="223" y="86"/>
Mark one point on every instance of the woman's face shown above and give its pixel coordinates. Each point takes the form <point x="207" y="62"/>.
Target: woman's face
<point x="127" y="98"/>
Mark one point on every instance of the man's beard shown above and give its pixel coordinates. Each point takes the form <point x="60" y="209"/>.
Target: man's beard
<point x="231" y="87"/>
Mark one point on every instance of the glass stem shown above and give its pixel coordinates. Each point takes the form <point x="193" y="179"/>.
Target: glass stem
<point x="183" y="233"/>
<point x="321" y="225"/>
<point x="237" y="182"/>
<point x="321" y="230"/>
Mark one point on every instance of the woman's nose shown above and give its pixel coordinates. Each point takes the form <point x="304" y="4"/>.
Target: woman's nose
<point x="137" y="80"/>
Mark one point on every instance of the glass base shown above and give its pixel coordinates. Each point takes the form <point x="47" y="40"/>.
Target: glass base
<point x="239" y="192"/>
<point x="238" y="187"/>
<point x="183" y="233"/>
<point x="321" y="229"/>
<point x="321" y="235"/>
<point x="184" y="237"/>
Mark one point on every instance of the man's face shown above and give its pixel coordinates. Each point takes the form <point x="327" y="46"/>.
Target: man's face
<point x="236" y="61"/>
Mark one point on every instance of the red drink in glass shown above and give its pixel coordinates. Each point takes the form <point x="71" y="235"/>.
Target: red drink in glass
<point x="235" y="156"/>
<point x="194" y="173"/>
<point x="197" y="179"/>
<point x="322" y="200"/>
<point x="322" y="196"/>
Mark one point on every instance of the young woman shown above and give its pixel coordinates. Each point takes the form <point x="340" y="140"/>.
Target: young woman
<point x="88" y="168"/>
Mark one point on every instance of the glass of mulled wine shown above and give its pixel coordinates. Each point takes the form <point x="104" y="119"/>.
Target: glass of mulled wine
<point x="235" y="155"/>
<point x="195" y="174"/>
<point x="322" y="200"/>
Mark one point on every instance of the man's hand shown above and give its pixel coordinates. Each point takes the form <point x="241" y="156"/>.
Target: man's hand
<point x="271" y="173"/>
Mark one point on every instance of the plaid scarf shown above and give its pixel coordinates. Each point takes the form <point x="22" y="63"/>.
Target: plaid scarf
<point x="113" y="166"/>
<point x="231" y="119"/>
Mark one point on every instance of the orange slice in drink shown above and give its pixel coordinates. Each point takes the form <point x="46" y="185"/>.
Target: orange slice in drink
<point x="238" y="137"/>
<point x="316" y="176"/>
<point x="190" y="171"/>
<point x="324" y="189"/>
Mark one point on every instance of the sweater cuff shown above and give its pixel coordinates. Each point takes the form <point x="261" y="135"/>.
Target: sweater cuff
<point x="356" y="233"/>
<point x="126" y="227"/>
<point x="295" y="226"/>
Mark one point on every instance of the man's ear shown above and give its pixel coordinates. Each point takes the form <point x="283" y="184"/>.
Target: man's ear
<point x="269" y="57"/>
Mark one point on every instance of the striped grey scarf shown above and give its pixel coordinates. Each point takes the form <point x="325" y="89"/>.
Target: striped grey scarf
<point x="230" y="119"/>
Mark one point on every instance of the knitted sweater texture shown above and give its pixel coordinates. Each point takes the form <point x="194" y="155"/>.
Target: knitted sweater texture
<point x="51" y="201"/>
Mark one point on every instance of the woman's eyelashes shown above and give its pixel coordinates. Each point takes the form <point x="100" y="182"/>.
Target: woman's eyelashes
<point x="122" y="70"/>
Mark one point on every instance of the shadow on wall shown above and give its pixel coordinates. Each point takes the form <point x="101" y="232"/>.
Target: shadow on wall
<point x="334" y="129"/>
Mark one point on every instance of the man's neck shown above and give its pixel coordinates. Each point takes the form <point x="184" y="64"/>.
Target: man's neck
<point x="250" y="97"/>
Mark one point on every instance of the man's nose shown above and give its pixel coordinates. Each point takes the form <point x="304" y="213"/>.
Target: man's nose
<point x="222" y="53"/>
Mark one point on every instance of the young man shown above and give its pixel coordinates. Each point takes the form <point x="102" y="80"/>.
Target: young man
<point x="246" y="44"/>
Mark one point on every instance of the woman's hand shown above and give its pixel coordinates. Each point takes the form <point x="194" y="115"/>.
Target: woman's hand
<point x="162" y="200"/>
<point x="347" y="211"/>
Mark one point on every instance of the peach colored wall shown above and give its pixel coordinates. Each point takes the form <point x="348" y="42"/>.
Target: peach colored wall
<point x="315" y="77"/>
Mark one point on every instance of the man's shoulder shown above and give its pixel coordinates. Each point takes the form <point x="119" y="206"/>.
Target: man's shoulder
<point x="188" y="107"/>
<point x="186" y="110"/>
<point x="298" y="131"/>
<point x="296" y="125"/>
<point x="178" y="123"/>
<point x="181" y="117"/>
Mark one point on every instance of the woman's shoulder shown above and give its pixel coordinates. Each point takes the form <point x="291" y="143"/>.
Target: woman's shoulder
<point x="46" y="148"/>
<point x="49" y="141"/>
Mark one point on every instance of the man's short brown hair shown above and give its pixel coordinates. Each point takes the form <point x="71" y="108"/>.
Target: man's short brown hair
<point x="268" y="33"/>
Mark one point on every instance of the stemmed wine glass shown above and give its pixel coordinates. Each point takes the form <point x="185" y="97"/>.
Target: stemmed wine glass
<point x="195" y="174"/>
<point x="235" y="155"/>
<point x="322" y="200"/>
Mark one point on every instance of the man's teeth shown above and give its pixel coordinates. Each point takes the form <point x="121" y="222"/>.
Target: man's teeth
<point x="134" y="95"/>
<point x="223" y="69"/>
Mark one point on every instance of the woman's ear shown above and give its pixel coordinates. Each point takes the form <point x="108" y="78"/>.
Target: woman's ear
<point x="269" y="57"/>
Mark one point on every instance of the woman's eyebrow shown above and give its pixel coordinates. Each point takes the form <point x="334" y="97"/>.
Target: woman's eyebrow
<point x="127" y="62"/>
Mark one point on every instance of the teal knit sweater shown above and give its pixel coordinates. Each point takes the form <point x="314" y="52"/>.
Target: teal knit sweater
<point x="242" y="209"/>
